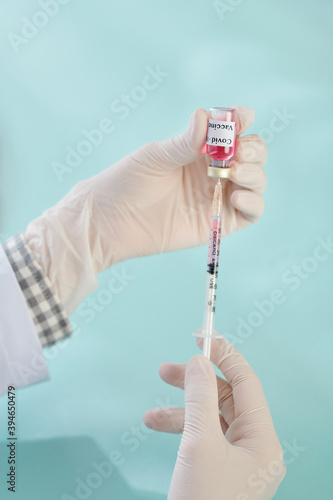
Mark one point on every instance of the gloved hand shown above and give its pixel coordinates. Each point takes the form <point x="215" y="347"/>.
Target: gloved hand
<point x="156" y="199"/>
<point x="229" y="449"/>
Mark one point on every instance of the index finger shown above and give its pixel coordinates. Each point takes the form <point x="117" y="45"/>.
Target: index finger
<point x="247" y="390"/>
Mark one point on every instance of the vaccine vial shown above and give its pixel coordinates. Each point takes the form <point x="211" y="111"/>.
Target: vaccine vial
<point x="221" y="141"/>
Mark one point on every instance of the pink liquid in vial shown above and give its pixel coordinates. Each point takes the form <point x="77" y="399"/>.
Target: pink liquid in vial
<point x="222" y="152"/>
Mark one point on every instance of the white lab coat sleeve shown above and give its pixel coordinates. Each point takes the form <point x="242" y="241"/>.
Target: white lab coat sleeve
<point x="21" y="357"/>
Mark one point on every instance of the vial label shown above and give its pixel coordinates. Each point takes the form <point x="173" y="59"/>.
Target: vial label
<point x="221" y="133"/>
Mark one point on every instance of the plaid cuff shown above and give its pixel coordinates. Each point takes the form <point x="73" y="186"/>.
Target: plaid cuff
<point x="44" y="305"/>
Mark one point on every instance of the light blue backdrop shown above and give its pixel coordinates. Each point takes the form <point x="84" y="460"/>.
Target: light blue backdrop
<point x="66" y="77"/>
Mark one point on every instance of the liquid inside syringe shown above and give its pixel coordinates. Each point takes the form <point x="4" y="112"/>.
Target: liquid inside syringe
<point x="212" y="269"/>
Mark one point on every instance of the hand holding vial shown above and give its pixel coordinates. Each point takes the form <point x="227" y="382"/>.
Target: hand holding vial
<point x="156" y="199"/>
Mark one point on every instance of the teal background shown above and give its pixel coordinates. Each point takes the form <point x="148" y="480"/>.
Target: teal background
<point x="263" y="54"/>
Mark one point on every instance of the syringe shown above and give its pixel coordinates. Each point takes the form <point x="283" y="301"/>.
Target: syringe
<point x="221" y="143"/>
<point x="212" y="269"/>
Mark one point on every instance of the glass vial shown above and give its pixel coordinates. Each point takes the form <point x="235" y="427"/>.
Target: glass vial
<point x="221" y="140"/>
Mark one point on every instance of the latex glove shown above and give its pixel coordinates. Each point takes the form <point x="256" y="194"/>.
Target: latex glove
<point x="229" y="449"/>
<point x="156" y="199"/>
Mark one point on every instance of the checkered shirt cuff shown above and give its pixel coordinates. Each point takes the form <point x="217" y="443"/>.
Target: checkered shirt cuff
<point x="44" y="305"/>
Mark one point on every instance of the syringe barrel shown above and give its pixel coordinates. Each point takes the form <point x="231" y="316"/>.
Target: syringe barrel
<point x="211" y="283"/>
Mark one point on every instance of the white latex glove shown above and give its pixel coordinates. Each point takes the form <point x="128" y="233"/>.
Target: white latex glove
<point x="156" y="199"/>
<point x="229" y="449"/>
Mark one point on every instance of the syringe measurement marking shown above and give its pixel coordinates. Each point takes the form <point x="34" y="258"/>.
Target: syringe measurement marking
<point x="213" y="265"/>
